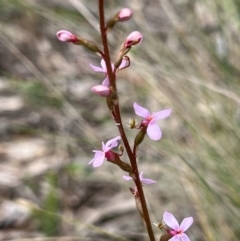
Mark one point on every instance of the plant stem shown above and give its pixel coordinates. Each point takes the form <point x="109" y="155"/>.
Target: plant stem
<point x="118" y="119"/>
<point x="107" y="59"/>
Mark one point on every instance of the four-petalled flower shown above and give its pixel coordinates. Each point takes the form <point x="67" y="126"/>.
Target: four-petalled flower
<point x="177" y="231"/>
<point x="153" y="130"/>
<point x="100" y="155"/>
<point x="143" y="180"/>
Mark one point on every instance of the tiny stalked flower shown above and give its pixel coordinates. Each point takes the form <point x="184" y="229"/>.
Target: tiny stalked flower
<point x="101" y="90"/>
<point x="66" y="36"/>
<point x="102" y="69"/>
<point x="100" y="155"/>
<point x="124" y="14"/>
<point x="153" y="130"/>
<point x="133" y="38"/>
<point x="177" y="231"/>
<point x="143" y="180"/>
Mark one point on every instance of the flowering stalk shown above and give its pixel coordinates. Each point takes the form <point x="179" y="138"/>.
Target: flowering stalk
<point x="117" y="116"/>
<point x="148" y="125"/>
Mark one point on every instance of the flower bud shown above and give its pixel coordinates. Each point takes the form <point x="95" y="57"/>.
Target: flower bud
<point x="124" y="14"/>
<point x="101" y="90"/>
<point x="133" y="38"/>
<point x="140" y="136"/>
<point x="66" y="36"/>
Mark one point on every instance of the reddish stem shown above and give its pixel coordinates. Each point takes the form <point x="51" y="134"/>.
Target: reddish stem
<point x="118" y="119"/>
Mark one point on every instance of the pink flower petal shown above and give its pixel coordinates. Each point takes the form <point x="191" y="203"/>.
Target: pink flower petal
<point x="124" y="64"/>
<point x="141" y="111"/>
<point x="111" y="144"/>
<point x="103" y="64"/>
<point x="96" y="68"/>
<point x="101" y="90"/>
<point x="98" y="159"/>
<point x="124" y="14"/>
<point x="148" y="181"/>
<point x="171" y="221"/>
<point x="106" y="82"/>
<point x="133" y="38"/>
<point x="154" y="132"/>
<point x="184" y="237"/>
<point x="127" y="178"/>
<point x="66" y="36"/>
<point x="175" y="238"/>
<point x="186" y="223"/>
<point x="161" y="114"/>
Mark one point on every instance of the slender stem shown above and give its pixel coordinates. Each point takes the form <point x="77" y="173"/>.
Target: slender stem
<point x="107" y="59"/>
<point x="118" y="119"/>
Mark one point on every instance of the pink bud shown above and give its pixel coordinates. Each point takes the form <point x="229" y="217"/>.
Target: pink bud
<point x="101" y="90"/>
<point x="66" y="36"/>
<point x="124" y="14"/>
<point x="133" y="38"/>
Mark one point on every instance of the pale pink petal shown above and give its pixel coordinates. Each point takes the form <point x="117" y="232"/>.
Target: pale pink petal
<point x="133" y="38"/>
<point x="101" y="90"/>
<point x="154" y="132"/>
<point x="141" y="111"/>
<point x="123" y="64"/>
<point x="66" y="36"/>
<point x="175" y="238"/>
<point x="171" y="221"/>
<point x="113" y="67"/>
<point x="96" y="68"/>
<point x="124" y="14"/>
<point x="103" y="64"/>
<point x="186" y="223"/>
<point x="98" y="159"/>
<point x="161" y="114"/>
<point x="127" y="178"/>
<point x="141" y="176"/>
<point x="111" y="144"/>
<point x="148" y="181"/>
<point x="184" y="237"/>
<point x="106" y="82"/>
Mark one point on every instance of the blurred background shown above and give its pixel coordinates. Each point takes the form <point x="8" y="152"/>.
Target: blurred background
<point x="50" y="121"/>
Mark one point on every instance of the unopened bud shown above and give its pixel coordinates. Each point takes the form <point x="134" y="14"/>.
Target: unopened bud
<point x="101" y="90"/>
<point x="133" y="38"/>
<point x="66" y="36"/>
<point x="115" y="159"/>
<point x="140" y="136"/>
<point x="124" y="14"/>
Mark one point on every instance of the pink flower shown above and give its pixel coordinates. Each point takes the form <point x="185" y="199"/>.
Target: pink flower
<point x="153" y="130"/>
<point x="133" y="38"/>
<point x="102" y="69"/>
<point x="66" y="36"/>
<point x="177" y="231"/>
<point x="101" y="90"/>
<point x="143" y="180"/>
<point x="124" y="14"/>
<point x="99" y="156"/>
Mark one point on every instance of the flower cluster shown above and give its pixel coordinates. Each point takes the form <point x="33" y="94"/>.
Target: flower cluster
<point x="148" y="124"/>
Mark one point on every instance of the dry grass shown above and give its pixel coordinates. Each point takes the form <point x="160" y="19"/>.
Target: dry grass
<point x="188" y="61"/>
